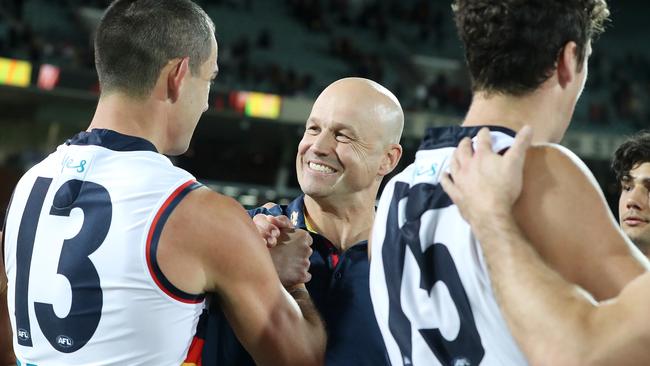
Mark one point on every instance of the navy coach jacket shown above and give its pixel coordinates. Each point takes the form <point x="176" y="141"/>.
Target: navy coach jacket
<point x="339" y="289"/>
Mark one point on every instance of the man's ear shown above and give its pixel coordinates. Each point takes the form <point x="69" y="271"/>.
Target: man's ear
<point x="390" y="159"/>
<point x="176" y="76"/>
<point x="567" y="64"/>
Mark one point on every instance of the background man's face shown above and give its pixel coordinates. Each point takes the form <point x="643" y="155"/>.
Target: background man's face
<point x="633" y="206"/>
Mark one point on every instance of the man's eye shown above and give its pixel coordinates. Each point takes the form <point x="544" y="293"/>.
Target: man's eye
<point x="341" y="137"/>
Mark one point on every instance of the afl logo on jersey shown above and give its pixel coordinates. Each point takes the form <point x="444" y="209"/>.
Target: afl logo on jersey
<point x="64" y="341"/>
<point x="23" y="335"/>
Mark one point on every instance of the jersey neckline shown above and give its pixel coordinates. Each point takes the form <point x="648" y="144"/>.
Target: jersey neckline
<point x="450" y="136"/>
<point x="111" y="140"/>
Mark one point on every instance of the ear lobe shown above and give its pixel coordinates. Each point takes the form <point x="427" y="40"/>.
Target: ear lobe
<point x="567" y="64"/>
<point x="175" y="78"/>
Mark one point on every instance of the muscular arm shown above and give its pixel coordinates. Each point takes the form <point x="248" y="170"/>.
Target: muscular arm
<point x="213" y="234"/>
<point x="563" y="213"/>
<point x="554" y="321"/>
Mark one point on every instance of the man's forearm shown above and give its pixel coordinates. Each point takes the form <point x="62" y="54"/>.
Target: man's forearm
<point x="540" y="306"/>
<point x="309" y="312"/>
<point x="301" y="295"/>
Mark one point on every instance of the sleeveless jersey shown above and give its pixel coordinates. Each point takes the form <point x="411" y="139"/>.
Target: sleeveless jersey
<point x="80" y="254"/>
<point x="429" y="284"/>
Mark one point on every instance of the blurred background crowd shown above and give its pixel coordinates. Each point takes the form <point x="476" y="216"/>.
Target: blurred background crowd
<point x="275" y="56"/>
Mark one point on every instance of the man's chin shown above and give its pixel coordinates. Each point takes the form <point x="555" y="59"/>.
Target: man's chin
<point x="640" y="239"/>
<point x="316" y="192"/>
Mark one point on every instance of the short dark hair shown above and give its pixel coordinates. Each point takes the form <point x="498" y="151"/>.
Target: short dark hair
<point x="511" y="46"/>
<point x="634" y="151"/>
<point x="136" y="38"/>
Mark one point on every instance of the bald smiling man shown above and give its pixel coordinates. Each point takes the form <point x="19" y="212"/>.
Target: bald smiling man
<point x="351" y="142"/>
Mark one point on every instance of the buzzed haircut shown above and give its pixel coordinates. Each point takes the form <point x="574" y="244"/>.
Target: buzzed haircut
<point x="633" y="152"/>
<point x="136" y="38"/>
<point x="511" y="46"/>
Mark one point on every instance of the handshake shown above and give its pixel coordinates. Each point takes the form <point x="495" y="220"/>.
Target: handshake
<point x="290" y="248"/>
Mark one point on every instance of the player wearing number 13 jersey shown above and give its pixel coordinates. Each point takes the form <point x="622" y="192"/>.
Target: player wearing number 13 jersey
<point x="108" y="248"/>
<point x="83" y="259"/>
<point x="429" y="285"/>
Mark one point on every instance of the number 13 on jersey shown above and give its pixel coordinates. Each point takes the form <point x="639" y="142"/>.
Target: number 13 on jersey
<point x="70" y="333"/>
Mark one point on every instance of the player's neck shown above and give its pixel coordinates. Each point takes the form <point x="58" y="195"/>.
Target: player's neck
<point x="536" y="110"/>
<point x="122" y="114"/>
<point x="344" y="223"/>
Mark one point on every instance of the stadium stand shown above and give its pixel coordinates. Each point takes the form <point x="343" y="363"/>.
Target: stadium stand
<point x="292" y="49"/>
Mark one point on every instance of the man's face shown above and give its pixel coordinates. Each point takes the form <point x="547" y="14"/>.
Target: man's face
<point x="194" y="99"/>
<point x="341" y="149"/>
<point x="633" y="206"/>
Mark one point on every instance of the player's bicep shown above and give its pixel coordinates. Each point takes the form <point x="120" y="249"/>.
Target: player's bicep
<point x="565" y="216"/>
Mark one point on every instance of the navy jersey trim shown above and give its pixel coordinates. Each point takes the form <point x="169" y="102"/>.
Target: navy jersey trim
<point x="111" y="140"/>
<point x="441" y="137"/>
<point x="294" y="211"/>
<point x="195" y="353"/>
<point x="154" y="237"/>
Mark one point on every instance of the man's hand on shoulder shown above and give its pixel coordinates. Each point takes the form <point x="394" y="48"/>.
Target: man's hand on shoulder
<point x="481" y="182"/>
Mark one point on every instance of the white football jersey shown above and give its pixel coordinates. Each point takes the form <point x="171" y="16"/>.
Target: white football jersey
<point x="429" y="284"/>
<point x="80" y="253"/>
